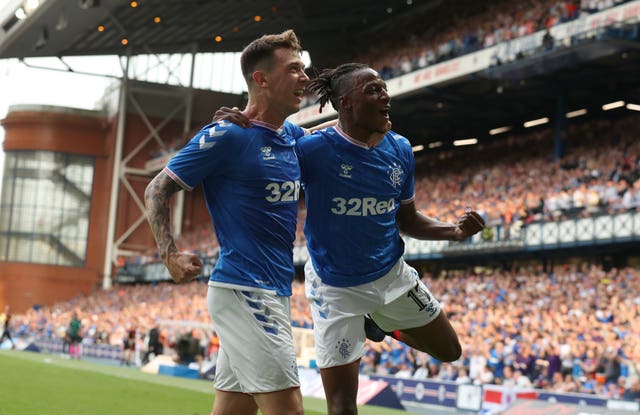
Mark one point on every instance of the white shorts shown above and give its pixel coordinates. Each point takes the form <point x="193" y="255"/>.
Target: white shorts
<point x="256" y="345"/>
<point x="398" y="300"/>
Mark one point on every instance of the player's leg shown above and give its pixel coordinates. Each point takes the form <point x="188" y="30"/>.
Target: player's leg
<point x="125" y="352"/>
<point x="338" y="328"/>
<point x="288" y="401"/>
<point x="341" y="388"/>
<point x="229" y="400"/>
<point x="438" y="338"/>
<point x="7" y="335"/>
<point x="232" y="403"/>
<point x="256" y="356"/>
<point x="417" y="319"/>
<point x="72" y="349"/>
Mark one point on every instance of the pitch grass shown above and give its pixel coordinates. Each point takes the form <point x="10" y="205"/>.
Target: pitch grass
<point x="35" y="383"/>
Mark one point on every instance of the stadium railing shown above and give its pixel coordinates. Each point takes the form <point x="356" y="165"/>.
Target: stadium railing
<point x="99" y="351"/>
<point x="533" y="237"/>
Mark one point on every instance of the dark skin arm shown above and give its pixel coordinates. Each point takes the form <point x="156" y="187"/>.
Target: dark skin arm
<point x="416" y="225"/>
<point x="182" y="266"/>
<point x="409" y="220"/>
<point x="233" y="115"/>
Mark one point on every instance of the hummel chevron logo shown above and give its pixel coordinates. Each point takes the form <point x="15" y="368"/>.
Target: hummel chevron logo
<point x="214" y="133"/>
<point x="204" y="144"/>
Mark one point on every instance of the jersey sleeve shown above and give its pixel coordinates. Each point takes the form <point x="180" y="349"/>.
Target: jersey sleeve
<point x="292" y="130"/>
<point x="307" y="150"/>
<point x="206" y="154"/>
<point x="407" y="193"/>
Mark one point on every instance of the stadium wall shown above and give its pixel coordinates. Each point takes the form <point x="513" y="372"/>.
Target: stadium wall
<point x="90" y="133"/>
<point x="71" y="131"/>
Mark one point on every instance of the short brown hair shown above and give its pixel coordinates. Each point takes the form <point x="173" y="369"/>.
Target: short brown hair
<point x="261" y="50"/>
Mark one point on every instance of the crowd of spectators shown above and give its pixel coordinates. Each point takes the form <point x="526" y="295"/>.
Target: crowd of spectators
<point x="514" y="181"/>
<point x="572" y="328"/>
<point x="455" y="31"/>
<point x="477" y="26"/>
<point x="452" y="32"/>
<point x="130" y="316"/>
<point x="512" y="185"/>
<point x="518" y="182"/>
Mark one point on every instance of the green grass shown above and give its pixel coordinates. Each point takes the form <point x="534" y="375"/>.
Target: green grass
<point x="34" y="384"/>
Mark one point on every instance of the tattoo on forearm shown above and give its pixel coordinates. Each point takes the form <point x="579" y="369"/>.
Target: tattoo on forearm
<point x="157" y="199"/>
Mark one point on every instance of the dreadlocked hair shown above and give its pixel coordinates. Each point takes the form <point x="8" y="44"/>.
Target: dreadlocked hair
<point x="331" y="84"/>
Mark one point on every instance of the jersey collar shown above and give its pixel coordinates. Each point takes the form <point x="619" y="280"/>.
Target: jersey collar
<point x="266" y="125"/>
<point x="352" y="140"/>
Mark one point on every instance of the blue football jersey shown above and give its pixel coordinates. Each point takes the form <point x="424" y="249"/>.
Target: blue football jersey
<point x="353" y="193"/>
<point x="251" y="183"/>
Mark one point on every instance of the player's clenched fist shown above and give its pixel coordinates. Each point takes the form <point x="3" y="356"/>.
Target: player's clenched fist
<point x="469" y="224"/>
<point x="183" y="267"/>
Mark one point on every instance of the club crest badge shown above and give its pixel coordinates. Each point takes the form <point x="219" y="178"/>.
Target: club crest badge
<point x="395" y="175"/>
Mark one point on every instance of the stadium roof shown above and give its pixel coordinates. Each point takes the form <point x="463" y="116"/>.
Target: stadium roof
<point x="584" y="77"/>
<point x="589" y="74"/>
<point x="70" y="27"/>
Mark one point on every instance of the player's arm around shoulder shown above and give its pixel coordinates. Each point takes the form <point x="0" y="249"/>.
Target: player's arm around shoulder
<point x="321" y="126"/>
<point x="237" y="117"/>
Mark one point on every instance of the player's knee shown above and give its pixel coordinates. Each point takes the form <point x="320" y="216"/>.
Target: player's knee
<point x="343" y="408"/>
<point x="292" y="411"/>
<point x="446" y="351"/>
<point x="452" y="352"/>
<point x="455" y="352"/>
<point x="341" y="403"/>
<point x="292" y="408"/>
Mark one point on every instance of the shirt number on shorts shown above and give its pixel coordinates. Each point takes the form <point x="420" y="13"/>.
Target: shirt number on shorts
<point x="283" y="192"/>
<point x="423" y="300"/>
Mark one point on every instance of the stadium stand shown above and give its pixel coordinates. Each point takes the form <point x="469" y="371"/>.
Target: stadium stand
<point x="474" y="27"/>
<point x="512" y="185"/>
<point x="563" y="321"/>
<point x="572" y="328"/>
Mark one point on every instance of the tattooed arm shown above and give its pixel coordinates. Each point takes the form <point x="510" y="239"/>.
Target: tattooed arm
<point x="182" y="266"/>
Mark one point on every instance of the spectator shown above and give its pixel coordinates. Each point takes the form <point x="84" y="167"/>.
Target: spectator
<point x="75" y="338"/>
<point x="547" y="41"/>
<point x="6" y="331"/>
